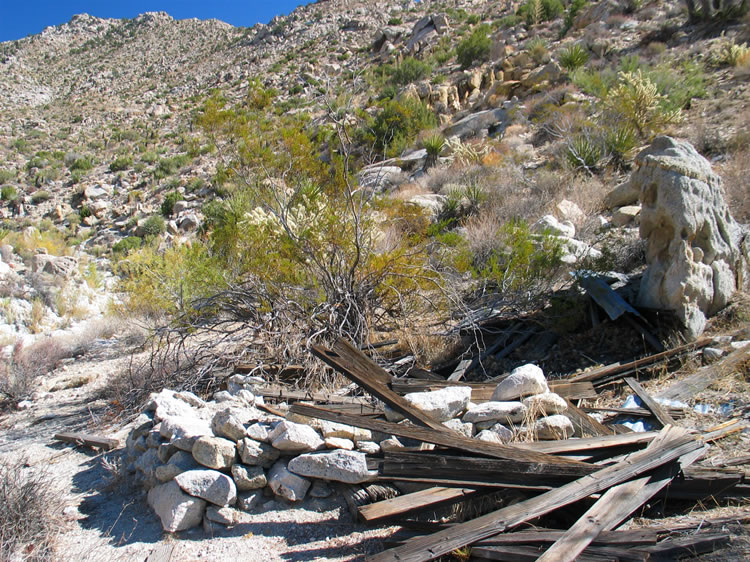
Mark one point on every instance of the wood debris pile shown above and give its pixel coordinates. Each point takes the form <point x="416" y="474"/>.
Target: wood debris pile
<point x="603" y="476"/>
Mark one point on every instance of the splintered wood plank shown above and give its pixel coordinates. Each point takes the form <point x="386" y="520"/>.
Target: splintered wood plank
<point x="585" y="424"/>
<point x="536" y="461"/>
<point x="630" y="537"/>
<point x="676" y="443"/>
<point x="89" y="440"/>
<point x="482" y="392"/>
<point x="359" y="368"/>
<point x="660" y="413"/>
<point x="614" y="507"/>
<point x="616" y="370"/>
<point x="722" y="430"/>
<point x="590" y="443"/>
<point x="417" y="501"/>
<point x="674" y="548"/>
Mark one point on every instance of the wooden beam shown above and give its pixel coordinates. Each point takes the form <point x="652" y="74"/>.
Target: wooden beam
<point x="359" y="368"/>
<point x="660" y="413"/>
<point x="89" y="440"/>
<point x="585" y="424"/>
<point x="676" y="443"/>
<point x="414" y="502"/>
<point x="482" y="392"/>
<point x="452" y="440"/>
<point x="589" y="443"/>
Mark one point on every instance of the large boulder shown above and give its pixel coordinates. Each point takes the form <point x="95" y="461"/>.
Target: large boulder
<point x="492" y="120"/>
<point x="211" y="485"/>
<point x="214" y="452"/>
<point x="248" y="477"/>
<point x="696" y="250"/>
<point x="176" y="510"/>
<point x="442" y="405"/>
<point x="339" y="465"/>
<point x="525" y="380"/>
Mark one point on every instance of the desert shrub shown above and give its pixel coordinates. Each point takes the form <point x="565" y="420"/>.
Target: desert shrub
<point x="508" y="21"/>
<point x="126" y="245"/>
<point x="475" y="48"/>
<point x="28" y="363"/>
<point x="538" y="11"/>
<point x="8" y="193"/>
<point x="637" y="101"/>
<point x="153" y="226"/>
<point x="731" y="54"/>
<point x="29" y="512"/>
<point x="573" y="57"/>
<point x="80" y="163"/>
<point x="583" y="152"/>
<point x="571" y="13"/>
<point x="411" y="70"/>
<point x="397" y="124"/>
<point x="537" y="49"/>
<point x="121" y="163"/>
<point x="394" y="21"/>
<point x="40" y="197"/>
<point x="6" y="175"/>
<point x="167" y="206"/>
<point x="433" y="144"/>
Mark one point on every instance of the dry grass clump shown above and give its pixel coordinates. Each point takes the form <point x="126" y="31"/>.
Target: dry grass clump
<point x="26" y="364"/>
<point x="29" y="508"/>
<point x="734" y="172"/>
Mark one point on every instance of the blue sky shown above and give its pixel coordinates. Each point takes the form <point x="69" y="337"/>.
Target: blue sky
<point x="19" y="18"/>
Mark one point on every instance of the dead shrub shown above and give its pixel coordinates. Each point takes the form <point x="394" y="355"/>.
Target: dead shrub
<point x="26" y="364"/>
<point x="29" y="510"/>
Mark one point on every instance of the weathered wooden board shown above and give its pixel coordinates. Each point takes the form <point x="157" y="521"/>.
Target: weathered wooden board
<point x="676" y="443"/>
<point x="89" y="440"/>
<point x="535" y="461"/>
<point x="584" y="424"/>
<point x="659" y="413"/>
<point x="482" y="392"/>
<point x="414" y="502"/>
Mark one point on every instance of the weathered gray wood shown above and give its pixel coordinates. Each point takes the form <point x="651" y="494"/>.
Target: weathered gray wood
<point x="675" y="444"/>
<point x="162" y="553"/>
<point x="674" y="548"/>
<point x="481" y="392"/>
<point x="89" y="440"/>
<point x="414" y="502"/>
<point x="359" y="368"/>
<point x="660" y="413"/>
<point x="453" y="440"/>
<point x="585" y="424"/>
<point x="589" y="443"/>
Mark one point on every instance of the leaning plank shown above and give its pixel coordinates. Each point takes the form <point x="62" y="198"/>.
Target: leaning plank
<point x="609" y="371"/>
<point x="359" y="368"/>
<point x="417" y="501"/>
<point x="677" y="442"/>
<point x="705" y="376"/>
<point x="482" y="392"/>
<point x="88" y="440"/>
<point x="614" y="506"/>
<point x="660" y="413"/>
<point x="585" y="424"/>
<point x="452" y="440"/>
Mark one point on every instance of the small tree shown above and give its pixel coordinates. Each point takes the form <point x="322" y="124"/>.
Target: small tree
<point x="475" y="48"/>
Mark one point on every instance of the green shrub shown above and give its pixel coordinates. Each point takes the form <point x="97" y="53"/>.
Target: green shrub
<point x="508" y="21"/>
<point x="154" y="226"/>
<point x="394" y="21"/>
<point x="121" y="163"/>
<point x="40" y="197"/>
<point x="84" y="212"/>
<point x="396" y="126"/>
<point x="433" y="144"/>
<point x="82" y="163"/>
<point x="573" y="57"/>
<point x="475" y="48"/>
<point x="538" y="11"/>
<point x="410" y="70"/>
<point x="8" y="193"/>
<point x="126" y="245"/>
<point x="167" y="206"/>
<point x="584" y="152"/>
<point x="6" y="175"/>
<point x="473" y="19"/>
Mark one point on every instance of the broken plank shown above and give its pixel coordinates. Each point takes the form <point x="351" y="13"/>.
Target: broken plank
<point x="705" y="376"/>
<point x="460" y="370"/>
<point x="359" y="368"/>
<point x="622" y="369"/>
<point x="452" y="440"/>
<point x="589" y="443"/>
<point x="659" y="413"/>
<point x="630" y="537"/>
<point x="89" y="440"/>
<point x="482" y="392"/>
<point x="722" y="430"/>
<point x="584" y="424"/>
<point x="676" y="443"/>
<point x="414" y="502"/>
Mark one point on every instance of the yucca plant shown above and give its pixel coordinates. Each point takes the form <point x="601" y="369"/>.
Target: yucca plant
<point x="573" y="57"/>
<point x="433" y="144"/>
<point x="584" y="153"/>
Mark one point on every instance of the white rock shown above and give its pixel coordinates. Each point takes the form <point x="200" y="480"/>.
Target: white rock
<point x="392" y="415"/>
<point x="259" y="432"/>
<point x="569" y="211"/>
<point x="249" y="500"/>
<point x="333" y="429"/>
<point x="463" y="428"/>
<point x="441" y="405"/>
<point x="214" y="452"/>
<point x="178" y="463"/>
<point x="227" y="516"/>
<point x="211" y="485"/>
<point x="553" y="427"/>
<point x="339" y="443"/>
<point x="230" y="422"/>
<point x="545" y="404"/>
<point x="292" y="437"/>
<point x="368" y="447"/>
<point x="339" y="465"/>
<point x="489" y="436"/>
<point x="165" y="404"/>
<point x="504" y="433"/>
<point x="507" y="412"/>
<point x="248" y="477"/>
<point x="523" y="381"/>
<point x="626" y="215"/>
<point x="176" y="510"/>
<point x="287" y="484"/>
<point x="549" y="224"/>
<point x="391" y="444"/>
<point x="175" y="427"/>
<point x="255" y="453"/>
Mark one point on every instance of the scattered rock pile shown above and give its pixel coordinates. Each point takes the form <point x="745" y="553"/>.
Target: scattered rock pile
<point x="203" y="462"/>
